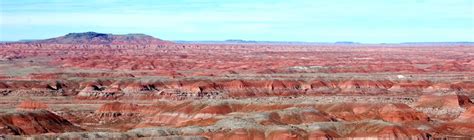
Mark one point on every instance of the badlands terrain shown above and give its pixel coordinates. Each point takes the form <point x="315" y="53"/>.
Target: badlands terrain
<point x="92" y="85"/>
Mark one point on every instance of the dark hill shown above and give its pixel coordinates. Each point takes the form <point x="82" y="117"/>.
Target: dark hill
<point x="104" y="39"/>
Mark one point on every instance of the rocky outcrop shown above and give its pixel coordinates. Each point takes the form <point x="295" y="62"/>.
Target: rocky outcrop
<point x="99" y="91"/>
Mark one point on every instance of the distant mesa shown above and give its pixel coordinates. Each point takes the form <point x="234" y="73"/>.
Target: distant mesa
<point x="93" y="38"/>
<point x="346" y="42"/>
<point x="240" y="41"/>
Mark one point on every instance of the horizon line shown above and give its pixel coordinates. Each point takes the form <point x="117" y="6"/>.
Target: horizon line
<point x="247" y="41"/>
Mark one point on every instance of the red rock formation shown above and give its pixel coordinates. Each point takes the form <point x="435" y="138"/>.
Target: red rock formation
<point x="117" y="109"/>
<point x="401" y="113"/>
<point x="199" y="89"/>
<point x="467" y="86"/>
<point x="467" y="116"/>
<point x="186" y="113"/>
<point x="238" y="134"/>
<point x="269" y="91"/>
<point x="297" y="116"/>
<point x="99" y="91"/>
<point x="444" y="101"/>
<point x="388" y="112"/>
<point x="217" y="109"/>
<point x="34" y="122"/>
<point x="32" y="105"/>
<point x="383" y="130"/>
<point x="360" y="84"/>
<point x="288" y="134"/>
<point x="410" y="86"/>
<point x="322" y="134"/>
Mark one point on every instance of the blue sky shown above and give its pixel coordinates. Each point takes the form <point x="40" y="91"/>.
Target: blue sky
<point x="368" y="21"/>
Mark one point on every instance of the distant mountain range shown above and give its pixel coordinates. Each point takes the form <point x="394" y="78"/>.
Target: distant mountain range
<point x="102" y="39"/>
<point x="238" y="41"/>
<point x="143" y="39"/>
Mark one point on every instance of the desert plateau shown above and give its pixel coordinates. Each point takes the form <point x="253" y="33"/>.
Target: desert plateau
<point x="134" y="86"/>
